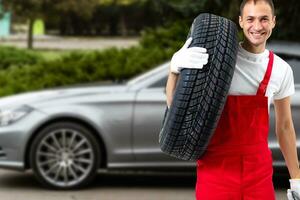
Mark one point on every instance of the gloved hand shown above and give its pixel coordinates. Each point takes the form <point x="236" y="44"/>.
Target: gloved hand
<point x="294" y="192"/>
<point x="193" y="58"/>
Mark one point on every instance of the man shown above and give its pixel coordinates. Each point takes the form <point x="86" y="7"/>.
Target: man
<point x="243" y="169"/>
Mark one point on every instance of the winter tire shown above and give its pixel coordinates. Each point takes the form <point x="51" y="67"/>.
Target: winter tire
<point x="65" y="155"/>
<point x="200" y="95"/>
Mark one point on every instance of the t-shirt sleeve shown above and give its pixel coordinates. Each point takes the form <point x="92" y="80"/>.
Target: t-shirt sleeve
<point x="287" y="87"/>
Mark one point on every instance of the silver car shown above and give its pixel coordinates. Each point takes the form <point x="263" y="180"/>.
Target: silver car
<point x="65" y="135"/>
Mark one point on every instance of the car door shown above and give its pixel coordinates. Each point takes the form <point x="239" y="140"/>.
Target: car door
<point x="149" y="111"/>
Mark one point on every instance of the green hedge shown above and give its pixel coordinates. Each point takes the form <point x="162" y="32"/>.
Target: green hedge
<point x="10" y="56"/>
<point x="27" y="71"/>
<point x="171" y="37"/>
<point x="75" y="68"/>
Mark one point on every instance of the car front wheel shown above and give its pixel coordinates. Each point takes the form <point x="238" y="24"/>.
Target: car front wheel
<point x="65" y="155"/>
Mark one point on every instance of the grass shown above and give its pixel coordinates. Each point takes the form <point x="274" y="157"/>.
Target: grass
<point x="51" y="54"/>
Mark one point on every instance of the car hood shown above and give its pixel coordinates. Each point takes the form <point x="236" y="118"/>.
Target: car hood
<point x="57" y="94"/>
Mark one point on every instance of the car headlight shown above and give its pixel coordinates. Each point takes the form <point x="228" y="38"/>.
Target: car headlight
<point x="11" y="115"/>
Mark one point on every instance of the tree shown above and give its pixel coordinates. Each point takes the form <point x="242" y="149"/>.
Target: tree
<point x="32" y="9"/>
<point x="287" y="20"/>
<point x="83" y="8"/>
<point x="122" y="4"/>
<point x="1" y="10"/>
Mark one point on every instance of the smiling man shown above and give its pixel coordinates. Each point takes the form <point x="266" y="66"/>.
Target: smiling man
<point x="238" y="163"/>
<point x="257" y="20"/>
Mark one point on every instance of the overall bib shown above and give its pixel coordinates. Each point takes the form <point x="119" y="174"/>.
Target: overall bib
<point x="238" y="163"/>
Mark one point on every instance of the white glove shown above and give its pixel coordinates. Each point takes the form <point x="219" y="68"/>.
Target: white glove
<point x="193" y="58"/>
<point x="294" y="192"/>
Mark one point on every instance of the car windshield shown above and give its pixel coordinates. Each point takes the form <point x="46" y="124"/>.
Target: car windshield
<point x="147" y="74"/>
<point x="292" y="60"/>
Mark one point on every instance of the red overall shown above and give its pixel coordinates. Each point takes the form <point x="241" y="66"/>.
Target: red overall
<point x="238" y="162"/>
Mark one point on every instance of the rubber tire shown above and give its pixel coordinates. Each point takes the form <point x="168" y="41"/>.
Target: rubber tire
<point x="200" y="95"/>
<point x="69" y="125"/>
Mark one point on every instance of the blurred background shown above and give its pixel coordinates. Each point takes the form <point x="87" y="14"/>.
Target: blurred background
<point x="50" y="38"/>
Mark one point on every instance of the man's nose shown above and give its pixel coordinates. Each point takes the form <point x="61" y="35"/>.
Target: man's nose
<point x="257" y="25"/>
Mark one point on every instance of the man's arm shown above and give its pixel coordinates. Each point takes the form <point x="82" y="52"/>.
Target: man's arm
<point x="185" y="58"/>
<point x="170" y="87"/>
<point x="286" y="136"/>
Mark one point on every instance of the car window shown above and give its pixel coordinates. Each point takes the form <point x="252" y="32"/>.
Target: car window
<point x="160" y="83"/>
<point x="294" y="62"/>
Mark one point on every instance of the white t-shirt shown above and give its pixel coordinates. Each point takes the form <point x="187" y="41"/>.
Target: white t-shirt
<point x="250" y="70"/>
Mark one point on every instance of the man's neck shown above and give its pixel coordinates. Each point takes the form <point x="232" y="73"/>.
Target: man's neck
<point x="253" y="49"/>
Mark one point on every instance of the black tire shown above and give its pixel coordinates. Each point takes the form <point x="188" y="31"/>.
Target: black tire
<point x="71" y="151"/>
<point x="200" y="95"/>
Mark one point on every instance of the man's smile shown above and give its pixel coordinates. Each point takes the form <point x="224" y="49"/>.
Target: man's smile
<point x="257" y="35"/>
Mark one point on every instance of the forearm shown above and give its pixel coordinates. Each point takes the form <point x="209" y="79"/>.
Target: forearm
<point x="287" y="142"/>
<point x="170" y="87"/>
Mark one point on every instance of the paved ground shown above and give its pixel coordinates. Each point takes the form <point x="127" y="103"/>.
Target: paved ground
<point x="112" y="186"/>
<point x="67" y="43"/>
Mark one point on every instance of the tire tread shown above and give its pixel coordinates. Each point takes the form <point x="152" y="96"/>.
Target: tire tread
<point x="201" y="94"/>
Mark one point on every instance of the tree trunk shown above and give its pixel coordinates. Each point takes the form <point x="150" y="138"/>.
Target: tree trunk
<point x="113" y="20"/>
<point x="30" y="34"/>
<point x="123" y="24"/>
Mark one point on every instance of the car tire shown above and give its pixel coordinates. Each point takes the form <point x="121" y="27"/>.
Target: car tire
<point x="65" y="155"/>
<point x="200" y="94"/>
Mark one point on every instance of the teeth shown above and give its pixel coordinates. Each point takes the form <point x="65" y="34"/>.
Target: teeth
<point x="257" y="34"/>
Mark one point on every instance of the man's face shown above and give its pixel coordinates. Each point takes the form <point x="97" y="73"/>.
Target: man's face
<point x="257" y="22"/>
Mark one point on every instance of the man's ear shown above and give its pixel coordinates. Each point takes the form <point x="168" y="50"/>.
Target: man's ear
<point x="240" y="22"/>
<point x="274" y="21"/>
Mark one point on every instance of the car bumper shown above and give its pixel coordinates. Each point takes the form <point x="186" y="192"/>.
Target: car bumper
<point x="14" y="139"/>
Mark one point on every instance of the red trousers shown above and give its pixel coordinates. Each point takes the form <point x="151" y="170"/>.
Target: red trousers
<point x="242" y="177"/>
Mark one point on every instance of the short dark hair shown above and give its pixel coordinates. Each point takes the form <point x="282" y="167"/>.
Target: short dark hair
<point x="244" y="2"/>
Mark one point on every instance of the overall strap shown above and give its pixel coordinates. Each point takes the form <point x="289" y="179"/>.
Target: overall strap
<point x="261" y="91"/>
